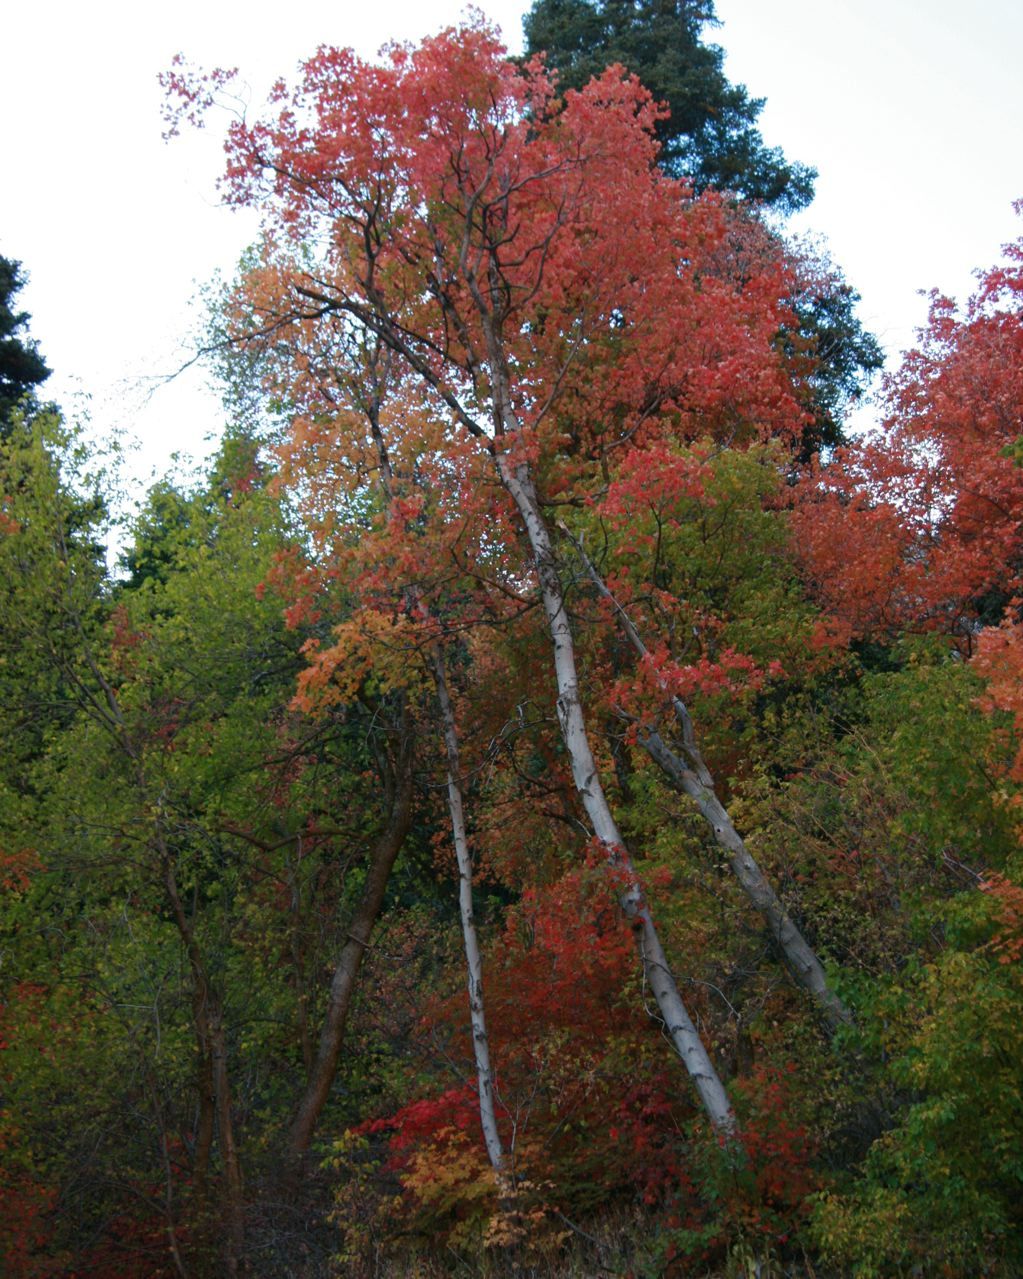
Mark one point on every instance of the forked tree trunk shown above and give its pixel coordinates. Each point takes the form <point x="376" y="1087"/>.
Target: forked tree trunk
<point x="474" y="964"/>
<point x="346" y="970"/>
<point x="519" y="483"/>
<point x="694" y="779"/>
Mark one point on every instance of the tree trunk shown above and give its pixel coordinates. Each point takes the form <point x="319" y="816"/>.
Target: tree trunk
<point x="208" y="1019"/>
<point x="679" y="1024"/>
<point x="695" y="780"/>
<point x="206" y="1119"/>
<point x="233" y="1197"/>
<point x="474" y="964"/>
<point x="456" y="810"/>
<point x="346" y="971"/>
<point x="799" y="957"/>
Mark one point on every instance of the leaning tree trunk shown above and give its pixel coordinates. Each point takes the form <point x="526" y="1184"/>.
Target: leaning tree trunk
<point x="519" y="483"/>
<point x="694" y="779"/>
<point x="346" y="970"/>
<point x="474" y="964"/>
<point x="463" y="859"/>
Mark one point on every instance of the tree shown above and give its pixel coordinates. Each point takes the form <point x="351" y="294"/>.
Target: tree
<point x="841" y="357"/>
<point x="918" y="526"/>
<point x="655" y="513"/>
<point x="708" y="133"/>
<point x="366" y="529"/>
<point x="477" y="227"/>
<point x="178" y="892"/>
<point x="708" y="136"/>
<point x="22" y="368"/>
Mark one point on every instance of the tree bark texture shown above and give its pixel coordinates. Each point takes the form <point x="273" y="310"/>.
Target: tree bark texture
<point x="473" y="960"/>
<point x="694" y="779"/>
<point x="214" y="1081"/>
<point x="677" y="1020"/>
<point x="799" y="956"/>
<point x="463" y="859"/>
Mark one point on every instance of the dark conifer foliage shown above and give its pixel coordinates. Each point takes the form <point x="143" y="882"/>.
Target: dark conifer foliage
<point x="847" y="358"/>
<point x="710" y="135"/>
<point x="22" y="368"/>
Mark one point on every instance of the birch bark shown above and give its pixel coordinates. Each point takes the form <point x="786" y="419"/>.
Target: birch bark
<point x="694" y="779"/>
<point x="660" y="979"/>
<point x="463" y="857"/>
<point x="473" y="960"/>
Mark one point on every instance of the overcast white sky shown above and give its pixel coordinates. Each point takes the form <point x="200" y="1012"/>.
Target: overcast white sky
<point x="912" y="113"/>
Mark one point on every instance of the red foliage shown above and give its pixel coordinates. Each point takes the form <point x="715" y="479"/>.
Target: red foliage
<point x="1007" y="942"/>
<point x="17" y="868"/>
<point x="658" y="678"/>
<point x="758" y="1190"/>
<point x="911" y="528"/>
<point x="999" y="658"/>
<point x="25" y="1231"/>
<point x="421" y="1121"/>
<point x="452" y="190"/>
<point x="592" y="1113"/>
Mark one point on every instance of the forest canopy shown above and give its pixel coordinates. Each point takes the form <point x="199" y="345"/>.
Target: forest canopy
<point x="526" y="809"/>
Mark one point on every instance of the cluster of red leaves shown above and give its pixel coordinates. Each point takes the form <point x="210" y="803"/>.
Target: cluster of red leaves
<point x="125" y="640"/>
<point x="656" y="479"/>
<point x="657" y="678"/>
<point x="908" y="530"/>
<point x="566" y="958"/>
<point x="756" y="1188"/>
<point x="25" y="1226"/>
<point x="8" y="524"/>
<point x="420" y="1122"/>
<point x="999" y="659"/>
<point x="1007" y="942"/>
<point x="591" y="1112"/>
<point x="779" y="1176"/>
<point x="295" y="580"/>
<point x="17" y="869"/>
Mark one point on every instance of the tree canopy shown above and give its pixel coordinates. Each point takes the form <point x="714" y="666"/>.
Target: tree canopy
<point x="515" y="814"/>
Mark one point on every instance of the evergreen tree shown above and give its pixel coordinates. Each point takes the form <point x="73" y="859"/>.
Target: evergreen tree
<point x="22" y="368"/>
<point x="710" y="134"/>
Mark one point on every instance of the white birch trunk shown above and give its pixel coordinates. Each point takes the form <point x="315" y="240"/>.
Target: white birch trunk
<point x="799" y="957"/>
<point x="456" y="810"/>
<point x="694" y="779"/>
<point x="678" y="1023"/>
<point x="473" y="961"/>
<point x="463" y="860"/>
